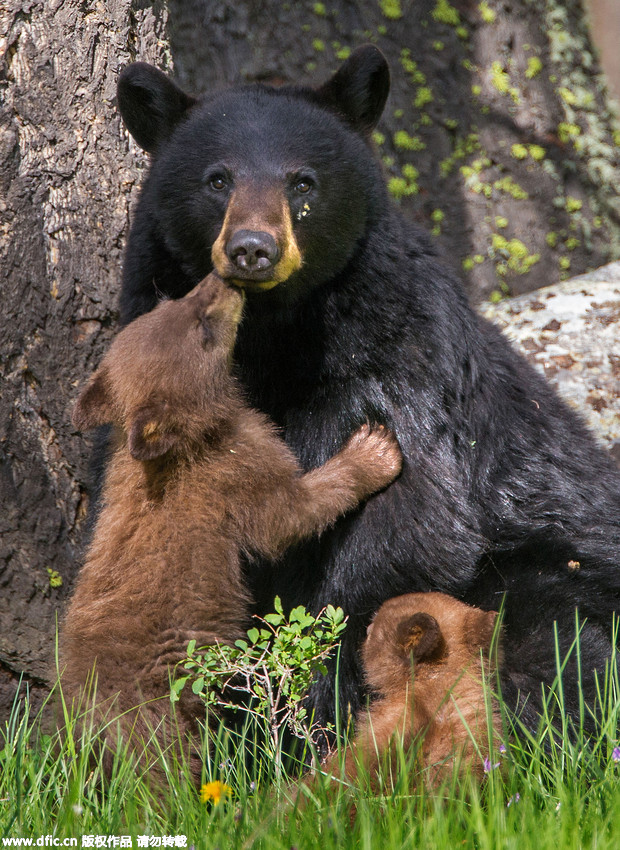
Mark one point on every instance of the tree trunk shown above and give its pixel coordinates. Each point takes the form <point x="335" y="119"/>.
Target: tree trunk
<point x="68" y="176"/>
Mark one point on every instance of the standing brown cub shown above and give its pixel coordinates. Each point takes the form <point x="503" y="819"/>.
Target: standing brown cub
<point x="424" y="656"/>
<point x="196" y="479"/>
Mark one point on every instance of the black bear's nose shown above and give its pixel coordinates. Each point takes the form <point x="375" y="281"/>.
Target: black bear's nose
<point x="252" y="250"/>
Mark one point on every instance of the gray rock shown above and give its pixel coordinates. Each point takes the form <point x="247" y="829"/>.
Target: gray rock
<point x="571" y="332"/>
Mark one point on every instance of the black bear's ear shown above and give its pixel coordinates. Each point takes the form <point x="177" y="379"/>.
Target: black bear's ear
<point x="94" y="405"/>
<point x="420" y="636"/>
<point x="359" y="89"/>
<point x="149" y="438"/>
<point x="151" y="104"/>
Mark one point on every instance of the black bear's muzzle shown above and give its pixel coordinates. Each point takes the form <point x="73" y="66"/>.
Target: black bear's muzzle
<point x="256" y="248"/>
<point x="253" y="254"/>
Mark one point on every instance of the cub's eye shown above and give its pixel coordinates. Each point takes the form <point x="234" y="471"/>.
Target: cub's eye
<point x="205" y="327"/>
<point x="303" y="186"/>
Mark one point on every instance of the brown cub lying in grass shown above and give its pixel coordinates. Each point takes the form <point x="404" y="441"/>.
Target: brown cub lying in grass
<point x="196" y="478"/>
<point x="423" y="657"/>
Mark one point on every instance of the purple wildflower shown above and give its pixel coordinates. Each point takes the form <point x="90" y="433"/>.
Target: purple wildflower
<point x="488" y="766"/>
<point x="514" y="799"/>
<point x="502" y="749"/>
<point x="615" y="754"/>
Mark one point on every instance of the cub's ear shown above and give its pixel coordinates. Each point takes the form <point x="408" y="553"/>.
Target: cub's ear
<point x="481" y="628"/>
<point x="420" y="636"/>
<point x="359" y="89"/>
<point x="94" y="404"/>
<point x="150" y="436"/>
<point x="151" y="104"/>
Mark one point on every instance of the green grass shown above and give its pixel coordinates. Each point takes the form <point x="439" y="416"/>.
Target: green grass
<point x="556" y="789"/>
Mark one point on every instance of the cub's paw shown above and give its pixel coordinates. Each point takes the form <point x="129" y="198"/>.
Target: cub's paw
<point x="377" y="453"/>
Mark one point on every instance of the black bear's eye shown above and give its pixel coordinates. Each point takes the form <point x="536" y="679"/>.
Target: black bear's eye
<point x="303" y="186"/>
<point x="217" y="182"/>
<point x="217" y="178"/>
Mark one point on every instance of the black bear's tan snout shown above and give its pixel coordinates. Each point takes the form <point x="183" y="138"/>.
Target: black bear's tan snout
<point x="253" y="253"/>
<point x="256" y="248"/>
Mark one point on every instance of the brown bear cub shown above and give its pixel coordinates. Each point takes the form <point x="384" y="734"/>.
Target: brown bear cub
<point x="425" y="657"/>
<point x="196" y="479"/>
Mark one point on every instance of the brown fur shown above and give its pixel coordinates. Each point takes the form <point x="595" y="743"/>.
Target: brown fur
<point x="440" y="709"/>
<point x="196" y="478"/>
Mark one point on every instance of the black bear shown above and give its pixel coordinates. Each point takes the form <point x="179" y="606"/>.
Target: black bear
<point x="351" y="318"/>
<point x="196" y="478"/>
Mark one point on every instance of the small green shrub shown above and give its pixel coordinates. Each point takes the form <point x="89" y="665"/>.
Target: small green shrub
<point x="271" y="671"/>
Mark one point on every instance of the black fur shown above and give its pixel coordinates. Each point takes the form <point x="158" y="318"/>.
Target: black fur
<point x="502" y="485"/>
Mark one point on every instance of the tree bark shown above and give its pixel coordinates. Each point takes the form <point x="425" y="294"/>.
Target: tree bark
<point x="68" y="176"/>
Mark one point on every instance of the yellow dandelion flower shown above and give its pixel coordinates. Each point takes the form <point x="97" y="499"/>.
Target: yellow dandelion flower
<point x="214" y="791"/>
